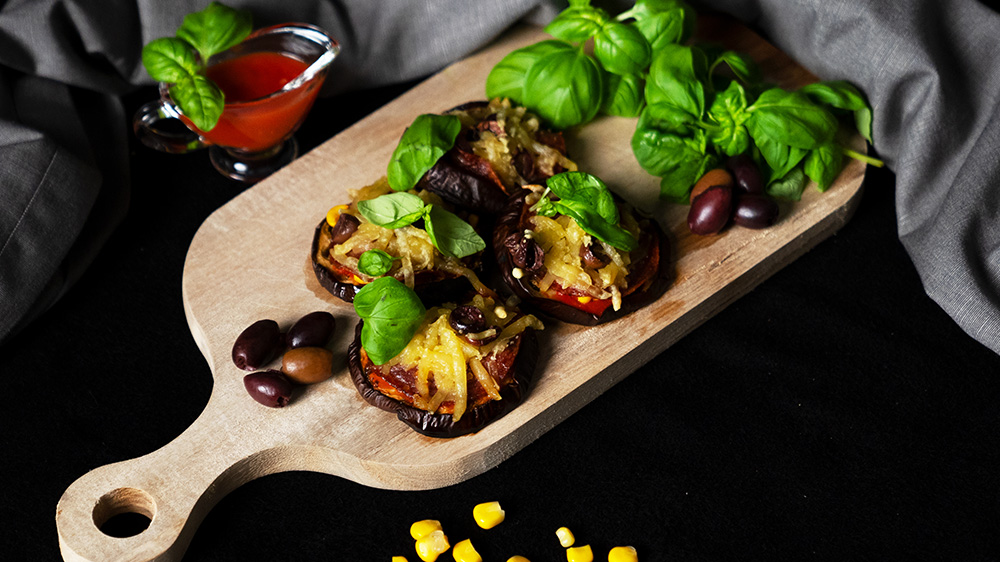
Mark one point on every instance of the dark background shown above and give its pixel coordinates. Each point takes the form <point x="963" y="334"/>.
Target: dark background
<point x="833" y="413"/>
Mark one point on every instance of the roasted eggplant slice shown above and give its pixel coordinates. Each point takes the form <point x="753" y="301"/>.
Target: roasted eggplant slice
<point x="499" y="149"/>
<point x="465" y="367"/>
<point x="551" y="264"/>
<point x="337" y="247"/>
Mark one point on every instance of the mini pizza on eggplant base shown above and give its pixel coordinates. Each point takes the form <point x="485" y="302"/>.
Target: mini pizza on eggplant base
<point x="464" y="367"/>
<point x="561" y="270"/>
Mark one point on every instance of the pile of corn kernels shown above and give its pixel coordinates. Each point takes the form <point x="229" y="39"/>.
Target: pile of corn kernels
<point x="431" y="541"/>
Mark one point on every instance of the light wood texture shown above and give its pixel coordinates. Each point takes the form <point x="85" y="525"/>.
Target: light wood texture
<point x="250" y="261"/>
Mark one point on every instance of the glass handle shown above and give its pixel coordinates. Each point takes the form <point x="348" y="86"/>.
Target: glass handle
<point x="158" y="125"/>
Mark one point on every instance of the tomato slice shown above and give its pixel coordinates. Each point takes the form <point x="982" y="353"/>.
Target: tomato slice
<point x="593" y="306"/>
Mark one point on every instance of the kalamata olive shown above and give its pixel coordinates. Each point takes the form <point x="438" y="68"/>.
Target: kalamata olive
<point x="307" y="365"/>
<point x="711" y="210"/>
<point x="270" y="388"/>
<point x="755" y="210"/>
<point x="591" y="259"/>
<point x="745" y="174"/>
<point x="312" y="330"/>
<point x="717" y="176"/>
<point x="524" y="252"/>
<point x="467" y="319"/>
<point x="257" y="345"/>
<point x="345" y="227"/>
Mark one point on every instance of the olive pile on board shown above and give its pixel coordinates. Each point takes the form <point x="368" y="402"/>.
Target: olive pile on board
<point x="731" y="194"/>
<point x="304" y="356"/>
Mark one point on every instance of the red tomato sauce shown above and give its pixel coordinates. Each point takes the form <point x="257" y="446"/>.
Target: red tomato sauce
<point x="249" y="122"/>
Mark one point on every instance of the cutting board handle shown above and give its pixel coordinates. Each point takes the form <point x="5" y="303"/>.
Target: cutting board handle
<point x="174" y="487"/>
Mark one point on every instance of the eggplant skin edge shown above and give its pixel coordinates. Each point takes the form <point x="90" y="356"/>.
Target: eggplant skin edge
<point x="442" y="425"/>
<point x="430" y="293"/>
<point x="657" y="283"/>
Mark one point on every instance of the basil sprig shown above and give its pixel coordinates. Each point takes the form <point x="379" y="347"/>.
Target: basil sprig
<point x="691" y="115"/>
<point x="180" y="61"/>
<point x="587" y="200"/>
<point x="423" y="143"/>
<point x="392" y="313"/>
<point x="448" y="232"/>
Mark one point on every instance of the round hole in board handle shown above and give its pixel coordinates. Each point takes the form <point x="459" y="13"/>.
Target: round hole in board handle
<point x="124" y="512"/>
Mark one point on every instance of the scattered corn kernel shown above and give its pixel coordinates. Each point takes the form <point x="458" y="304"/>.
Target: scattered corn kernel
<point x="566" y="537"/>
<point x="333" y="215"/>
<point x="488" y="515"/>
<point x="517" y="272"/>
<point x="465" y="552"/>
<point x="580" y="554"/>
<point x="421" y="529"/>
<point x="500" y="312"/>
<point x="623" y="554"/>
<point x="518" y="559"/>
<point x="584" y="300"/>
<point x="399" y="559"/>
<point x="429" y="547"/>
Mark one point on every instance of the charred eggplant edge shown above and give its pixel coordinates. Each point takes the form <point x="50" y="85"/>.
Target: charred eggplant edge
<point x="442" y="425"/>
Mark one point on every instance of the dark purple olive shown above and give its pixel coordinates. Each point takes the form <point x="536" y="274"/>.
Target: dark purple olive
<point x="755" y="210"/>
<point x="345" y="227"/>
<point x="745" y="173"/>
<point x="591" y="259"/>
<point x="257" y="345"/>
<point x="711" y="210"/>
<point x="270" y="388"/>
<point x="467" y="319"/>
<point x="312" y="330"/>
<point x="524" y="252"/>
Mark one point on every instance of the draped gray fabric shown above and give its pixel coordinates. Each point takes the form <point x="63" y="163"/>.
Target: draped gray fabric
<point x="928" y="67"/>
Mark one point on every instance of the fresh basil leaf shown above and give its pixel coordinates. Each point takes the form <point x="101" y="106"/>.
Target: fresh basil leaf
<point x="169" y="59"/>
<point x="392" y="313"/>
<point x="682" y="13"/>
<point x="587" y="189"/>
<point x="375" y="263"/>
<point x="676" y="78"/>
<point x="565" y="88"/>
<point x="667" y="118"/>
<point x="621" y="49"/>
<point x="663" y="28"/>
<point x="843" y="95"/>
<point x="780" y="158"/>
<point x="506" y="79"/>
<point x="790" y="186"/>
<point x="577" y="23"/>
<point x="743" y="67"/>
<point x="393" y="210"/>
<point x="423" y="143"/>
<point x="790" y="118"/>
<point x="200" y="100"/>
<point x="215" y="29"/>
<point x="658" y="151"/>
<point x="823" y="165"/>
<point x="595" y="225"/>
<point x="728" y="110"/>
<point x="624" y="96"/>
<point x="451" y="235"/>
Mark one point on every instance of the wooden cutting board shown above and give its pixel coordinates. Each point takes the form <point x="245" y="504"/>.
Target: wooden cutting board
<point x="250" y="260"/>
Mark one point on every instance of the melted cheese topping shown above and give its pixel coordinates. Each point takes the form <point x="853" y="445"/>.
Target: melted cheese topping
<point x="562" y="240"/>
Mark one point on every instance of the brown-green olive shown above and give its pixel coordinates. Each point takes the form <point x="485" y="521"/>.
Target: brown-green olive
<point x="307" y="365"/>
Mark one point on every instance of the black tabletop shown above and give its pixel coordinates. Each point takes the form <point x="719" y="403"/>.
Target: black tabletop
<point x="833" y="413"/>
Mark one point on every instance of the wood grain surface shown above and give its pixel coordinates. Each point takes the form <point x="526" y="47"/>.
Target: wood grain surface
<point x="249" y="260"/>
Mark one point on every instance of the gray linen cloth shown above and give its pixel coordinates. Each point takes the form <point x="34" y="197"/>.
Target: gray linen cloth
<point x="928" y="67"/>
